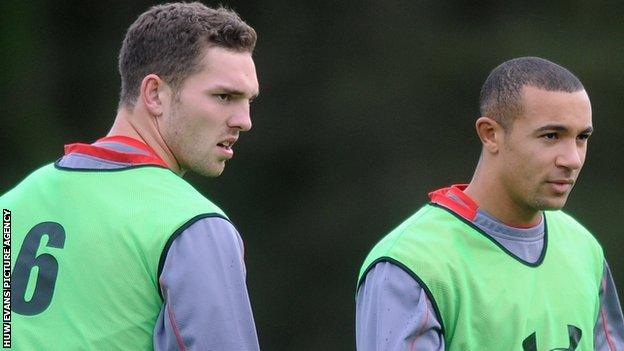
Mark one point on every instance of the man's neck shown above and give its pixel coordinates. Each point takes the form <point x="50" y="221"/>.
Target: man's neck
<point x="490" y="196"/>
<point x="138" y="124"/>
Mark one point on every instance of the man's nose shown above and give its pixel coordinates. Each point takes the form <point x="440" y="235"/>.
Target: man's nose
<point x="572" y="156"/>
<point x="241" y="119"/>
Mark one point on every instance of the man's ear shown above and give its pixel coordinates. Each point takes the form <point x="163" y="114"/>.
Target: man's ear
<point x="491" y="134"/>
<point x="154" y="94"/>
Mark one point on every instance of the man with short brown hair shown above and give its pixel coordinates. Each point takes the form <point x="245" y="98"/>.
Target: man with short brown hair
<point x="129" y="255"/>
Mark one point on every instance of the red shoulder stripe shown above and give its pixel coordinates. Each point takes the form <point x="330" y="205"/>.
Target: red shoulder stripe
<point x="466" y="207"/>
<point x="118" y="156"/>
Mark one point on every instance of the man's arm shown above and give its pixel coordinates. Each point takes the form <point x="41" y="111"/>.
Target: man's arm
<point x="206" y="305"/>
<point x="609" y="330"/>
<point x="394" y="313"/>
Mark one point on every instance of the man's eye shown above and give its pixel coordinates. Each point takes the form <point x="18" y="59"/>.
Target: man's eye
<point x="550" y="136"/>
<point x="223" y="97"/>
<point x="583" y="136"/>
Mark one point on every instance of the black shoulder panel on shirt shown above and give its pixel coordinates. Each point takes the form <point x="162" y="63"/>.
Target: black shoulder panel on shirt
<point x="533" y="264"/>
<point x="163" y="254"/>
<point x="413" y="275"/>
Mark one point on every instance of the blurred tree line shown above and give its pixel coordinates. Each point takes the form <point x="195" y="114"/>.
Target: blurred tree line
<point x="365" y="107"/>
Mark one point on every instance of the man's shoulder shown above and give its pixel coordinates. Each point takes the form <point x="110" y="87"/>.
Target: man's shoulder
<point x="562" y="219"/>
<point x="569" y="229"/>
<point x="144" y="188"/>
<point x="429" y="219"/>
<point x="33" y="176"/>
<point x="174" y="192"/>
<point x="423" y="230"/>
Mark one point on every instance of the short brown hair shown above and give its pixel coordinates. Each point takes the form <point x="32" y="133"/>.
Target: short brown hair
<point x="168" y="39"/>
<point x="502" y="90"/>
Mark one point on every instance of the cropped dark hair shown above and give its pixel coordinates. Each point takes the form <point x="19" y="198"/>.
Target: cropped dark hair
<point x="168" y="40"/>
<point x="502" y="90"/>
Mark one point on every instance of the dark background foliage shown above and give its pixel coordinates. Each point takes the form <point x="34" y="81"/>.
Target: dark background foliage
<point x="365" y="107"/>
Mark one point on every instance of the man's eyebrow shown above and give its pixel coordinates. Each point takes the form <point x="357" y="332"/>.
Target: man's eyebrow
<point x="562" y="128"/>
<point x="234" y="91"/>
<point x="588" y="130"/>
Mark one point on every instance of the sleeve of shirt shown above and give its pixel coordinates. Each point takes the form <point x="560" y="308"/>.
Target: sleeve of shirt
<point x="609" y="330"/>
<point x="394" y="313"/>
<point x="206" y="304"/>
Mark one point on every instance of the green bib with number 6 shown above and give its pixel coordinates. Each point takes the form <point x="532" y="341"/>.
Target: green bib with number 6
<point x="86" y="253"/>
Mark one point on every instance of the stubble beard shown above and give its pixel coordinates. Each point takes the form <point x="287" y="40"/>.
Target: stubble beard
<point x="552" y="202"/>
<point x="206" y="165"/>
<point x="192" y="160"/>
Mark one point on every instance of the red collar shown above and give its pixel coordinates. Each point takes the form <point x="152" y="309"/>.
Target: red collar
<point x="465" y="207"/>
<point x="118" y="156"/>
